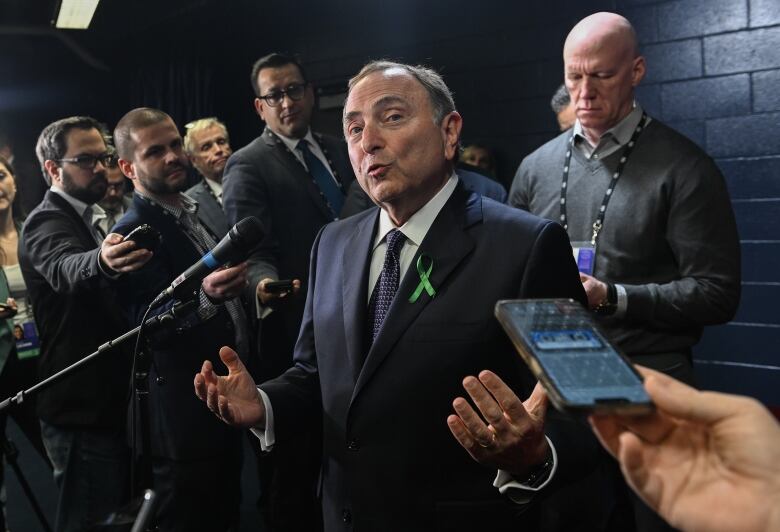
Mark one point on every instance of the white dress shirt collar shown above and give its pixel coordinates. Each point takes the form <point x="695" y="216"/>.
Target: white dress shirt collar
<point x="420" y="222"/>
<point x="78" y="205"/>
<point x="292" y="144"/>
<point x="216" y="188"/>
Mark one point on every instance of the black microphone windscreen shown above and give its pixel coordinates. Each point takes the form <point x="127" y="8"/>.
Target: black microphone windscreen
<point x="247" y="232"/>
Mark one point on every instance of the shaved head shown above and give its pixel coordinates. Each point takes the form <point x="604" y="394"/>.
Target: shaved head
<point x="601" y="30"/>
<point x="602" y="66"/>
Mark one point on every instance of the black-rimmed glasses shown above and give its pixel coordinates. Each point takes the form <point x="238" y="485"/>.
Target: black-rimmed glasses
<point x="294" y="91"/>
<point x="88" y="162"/>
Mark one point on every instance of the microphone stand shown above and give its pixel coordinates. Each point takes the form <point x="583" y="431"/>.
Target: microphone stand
<point x="142" y="364"/>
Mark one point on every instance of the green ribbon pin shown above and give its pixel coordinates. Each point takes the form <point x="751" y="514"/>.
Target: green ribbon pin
<point x="424" y="282"/>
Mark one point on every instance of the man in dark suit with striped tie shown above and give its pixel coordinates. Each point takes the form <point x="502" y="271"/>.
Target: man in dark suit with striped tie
<point x="295" y="181"/>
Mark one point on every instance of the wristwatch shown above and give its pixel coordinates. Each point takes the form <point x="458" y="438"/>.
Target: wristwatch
<point x="608" y="305"/>
<point x="540" y="473"/>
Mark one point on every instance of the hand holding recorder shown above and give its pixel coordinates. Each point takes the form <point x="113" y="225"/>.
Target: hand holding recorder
<point x="121" y="255"/>
<point x="703" y="460"/>
<point x="269" y="290"/>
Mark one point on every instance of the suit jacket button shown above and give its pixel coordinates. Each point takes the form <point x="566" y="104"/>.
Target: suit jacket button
<point x="353" y="445"/>
<point x="346" y="516"/>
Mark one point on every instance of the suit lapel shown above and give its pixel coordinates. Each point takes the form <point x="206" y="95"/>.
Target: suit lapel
<point x="355" y="265"/>
<point x="447" y="243"/>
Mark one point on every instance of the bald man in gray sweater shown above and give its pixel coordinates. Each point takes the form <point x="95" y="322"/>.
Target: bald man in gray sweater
<point x="646" y="209"/>
<point x="653" y="231"/>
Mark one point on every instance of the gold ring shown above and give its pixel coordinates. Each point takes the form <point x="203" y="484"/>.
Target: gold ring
<point x="488" y="444"/>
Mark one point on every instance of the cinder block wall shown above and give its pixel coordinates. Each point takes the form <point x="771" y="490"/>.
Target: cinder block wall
<point x="715" y="75"/>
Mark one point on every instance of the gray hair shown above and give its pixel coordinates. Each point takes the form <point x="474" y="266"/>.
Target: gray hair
<point x="200" y="125"/>
<point x="439" y="94"/>
<point x="560" y="99"/>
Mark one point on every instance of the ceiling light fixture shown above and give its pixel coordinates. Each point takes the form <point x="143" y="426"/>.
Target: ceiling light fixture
<point x="76" y="14"/>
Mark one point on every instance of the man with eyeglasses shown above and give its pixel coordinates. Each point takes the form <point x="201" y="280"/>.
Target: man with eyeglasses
<point x="295" y="181"/>
<point x="66" y="265"/>
<point x="116" y="201"/>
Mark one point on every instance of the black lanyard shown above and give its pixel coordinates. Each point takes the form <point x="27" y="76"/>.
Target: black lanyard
<point x="599" y="223"/>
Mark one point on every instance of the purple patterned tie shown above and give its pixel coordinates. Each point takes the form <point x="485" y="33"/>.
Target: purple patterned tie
<point x="387" y="284"/>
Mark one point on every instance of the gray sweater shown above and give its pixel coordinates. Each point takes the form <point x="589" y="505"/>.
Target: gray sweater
<point x="669" y="234"/>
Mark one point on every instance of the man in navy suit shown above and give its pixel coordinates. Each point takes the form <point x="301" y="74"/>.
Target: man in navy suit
<point x="399" y="310"/>
<point x="192" y="454"/>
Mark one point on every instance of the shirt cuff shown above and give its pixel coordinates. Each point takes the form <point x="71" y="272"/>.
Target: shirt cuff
<point x="520" y="493"/>
<point x="265" y="434"/>
<point x="262" y="311"/>
<point x="622" y="301"/>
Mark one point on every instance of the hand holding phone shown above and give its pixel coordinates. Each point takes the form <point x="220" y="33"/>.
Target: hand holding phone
<point x="279" y="287"/>
<point x="7" y="311"/>
<point x="271" y="292"/>
<point x="145" y="237"/>
<point x="580" y="370"/>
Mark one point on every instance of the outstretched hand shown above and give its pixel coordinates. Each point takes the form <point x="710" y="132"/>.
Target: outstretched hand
<point x="703" y="460"/>
<point x="511" y="436"/>
<point x="122" y="256"/>
<point x="233" y="398"/>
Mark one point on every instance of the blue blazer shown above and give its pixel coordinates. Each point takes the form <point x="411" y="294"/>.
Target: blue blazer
<point x="389" y="460"/>
<point x="181" y="428"/>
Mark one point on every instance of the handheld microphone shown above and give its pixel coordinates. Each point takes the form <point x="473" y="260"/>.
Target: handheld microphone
<point x="234" y="247"/>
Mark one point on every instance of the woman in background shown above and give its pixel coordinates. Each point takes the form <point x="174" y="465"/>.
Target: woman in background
<point x="18" y="356"/>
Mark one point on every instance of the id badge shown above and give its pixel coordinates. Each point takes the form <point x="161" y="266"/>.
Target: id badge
<point x="584" y="256"/>
<point x="28" y="344"/>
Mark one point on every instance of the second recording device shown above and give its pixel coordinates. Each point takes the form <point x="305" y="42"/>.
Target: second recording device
<point x="145" y="237"/>
<point x="580" y="370"/>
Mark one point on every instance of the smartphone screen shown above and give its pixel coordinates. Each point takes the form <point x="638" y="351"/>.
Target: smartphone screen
<point x="580" y="369"/>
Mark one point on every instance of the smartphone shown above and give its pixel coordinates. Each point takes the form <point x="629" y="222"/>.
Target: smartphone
<point x="277" y="287"/>
<point x="563" y="347"/>
<point x="145" y="236"/>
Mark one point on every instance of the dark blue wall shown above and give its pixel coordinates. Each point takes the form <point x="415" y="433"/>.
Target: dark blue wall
<point x="715" y="75"/>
